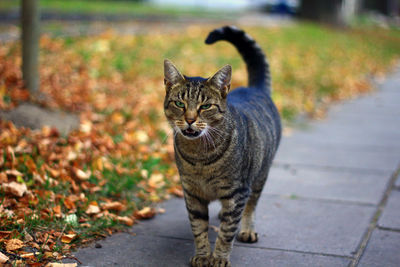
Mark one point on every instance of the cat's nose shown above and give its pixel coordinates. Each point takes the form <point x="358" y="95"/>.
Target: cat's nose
<point x="190" y="121"/>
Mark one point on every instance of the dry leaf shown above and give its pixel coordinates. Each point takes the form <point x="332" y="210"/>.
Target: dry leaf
<point x="14" y="188"/>
<point x="156" y="180"/>
<point x="161" y="210"/>
<point x="3" y="177"/>
<point x="177" y="191"/>
<point x="67" y="238"/>
<point x="27" y="255"/>
<point x="115" y="205"/>
<point x="85" y="127"/>
<point x="145" y="213"/>
<point x="14" y="244"/>
<point x="92" y="209"/>
<point x="3" y="258"/>
<point x="14" y="173"/>
<point x="126" y="220"/>
<point x="141" y="136"/>
<point x="54" y="264"/>
<point x="82" y="175"/>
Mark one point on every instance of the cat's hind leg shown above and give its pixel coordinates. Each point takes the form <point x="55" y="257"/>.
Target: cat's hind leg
<point x="247" y="233"/>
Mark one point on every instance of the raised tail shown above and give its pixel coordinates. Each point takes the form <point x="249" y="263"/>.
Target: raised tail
<point x="257" y="65"/>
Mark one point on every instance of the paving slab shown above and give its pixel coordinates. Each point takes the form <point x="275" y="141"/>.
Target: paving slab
<point x="312" y="226"/>
<point x="391" y="214"/>
<point x="142" y="250"/>
<point x="337" y="157"/>
<point x="282" y="223"/>
<point x="382" y="250"/>
<point x="342" y="185"/>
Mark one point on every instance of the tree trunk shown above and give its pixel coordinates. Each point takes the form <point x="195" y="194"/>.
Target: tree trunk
<point x="30" y="18"/>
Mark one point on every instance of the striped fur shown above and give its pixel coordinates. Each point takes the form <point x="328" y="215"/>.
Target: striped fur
<point x="224" y="145"/>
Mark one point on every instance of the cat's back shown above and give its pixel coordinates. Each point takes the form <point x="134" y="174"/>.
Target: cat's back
<point x="254" y="110"/>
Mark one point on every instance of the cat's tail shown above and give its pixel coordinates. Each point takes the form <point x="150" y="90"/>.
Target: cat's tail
<point x="257" y="65"/>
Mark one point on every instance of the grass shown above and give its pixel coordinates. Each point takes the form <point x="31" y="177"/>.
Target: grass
<point x="123" y="149"/>
<point x="115" y="8"/>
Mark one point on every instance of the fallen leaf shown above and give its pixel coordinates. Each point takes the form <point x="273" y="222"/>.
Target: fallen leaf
<point x="82" y="175"/>
<point x="161" y="210"/>
<point x="3" y="177"/>
<point x="115" y="205"/>
<point x="141" y="136"/>
<point x="177" y="191"/>
<point x="85" y="127"/>
<point x="4" y="234"/>
<point x="92" y="209"/>
<point x="145" y="213"/>
<point x="14" y="173"/>
<point x="156" y="180"/>
<point x="67" y="238"/>
<point x="126" y="220"/>
<point x="3" y="258"/>
<point x="14" y="244"/>
<point x="27" y="255"/>
<point x="57" y="210"/>
<point x="54" y="264"/>
<point x="14" y="188"/>
<point x="27" y="237"/>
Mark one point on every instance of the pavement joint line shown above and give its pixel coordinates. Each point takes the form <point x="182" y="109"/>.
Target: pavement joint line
<point x="295" y="251"/>
<point x="388" y="229"/>
<point x="238" y="244"/>
<point x="374" y="221"/>
<point x="326" y="200"/>
<point x="356" y="147"/>
<point x="288" y="165"/>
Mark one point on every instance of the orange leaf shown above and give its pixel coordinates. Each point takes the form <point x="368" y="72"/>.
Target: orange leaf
<point x="14" y="244"/>
<point x="3" y="258"/>
<point x="177" y="191"/>
<point x="126" y="220"/>
<point x="57" y="210"/>
<point x="3" y="177"/>
<point x="113" y="206"/>
<point x="145" y="213"/>
<point x="67" y="238"/>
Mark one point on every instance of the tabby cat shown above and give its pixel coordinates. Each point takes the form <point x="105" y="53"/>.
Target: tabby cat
<point x="224" y="145"/>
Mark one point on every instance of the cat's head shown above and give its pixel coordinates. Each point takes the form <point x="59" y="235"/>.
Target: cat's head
<point x="195" y="105"/>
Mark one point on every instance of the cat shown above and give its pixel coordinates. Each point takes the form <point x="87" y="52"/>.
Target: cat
<point x="224" y="144"/>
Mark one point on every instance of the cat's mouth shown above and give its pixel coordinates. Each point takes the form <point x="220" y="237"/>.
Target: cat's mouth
<point x="189" y="132"/>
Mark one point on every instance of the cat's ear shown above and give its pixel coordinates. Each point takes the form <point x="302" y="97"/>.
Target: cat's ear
<point x="172" y="75"/>
<point x="222" y="80"/>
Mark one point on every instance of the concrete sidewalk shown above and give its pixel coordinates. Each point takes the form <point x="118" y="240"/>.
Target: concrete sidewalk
<point x="332" y="199"/>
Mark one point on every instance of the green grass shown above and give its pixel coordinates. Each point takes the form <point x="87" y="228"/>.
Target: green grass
<point x="115" y="7"/>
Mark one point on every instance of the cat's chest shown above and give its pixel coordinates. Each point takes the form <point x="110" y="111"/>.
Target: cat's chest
<point x="207" y="186"/>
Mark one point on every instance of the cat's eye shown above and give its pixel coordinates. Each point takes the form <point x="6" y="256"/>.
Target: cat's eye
<point x="207" y="106"/>
<point x="179" y="104"/>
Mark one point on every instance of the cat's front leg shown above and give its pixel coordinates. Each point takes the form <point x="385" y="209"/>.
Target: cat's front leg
<point x="230" y="216"/>
<point x="198" y="216"/>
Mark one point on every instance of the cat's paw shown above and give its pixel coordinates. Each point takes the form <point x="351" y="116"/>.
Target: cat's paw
<point x="200" y="261"/>
<point x="247" y="236"/>
<point x="220" y="262"/>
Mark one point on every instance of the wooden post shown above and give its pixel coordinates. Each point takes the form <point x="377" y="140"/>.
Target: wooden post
<point x="30" y="18"/>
